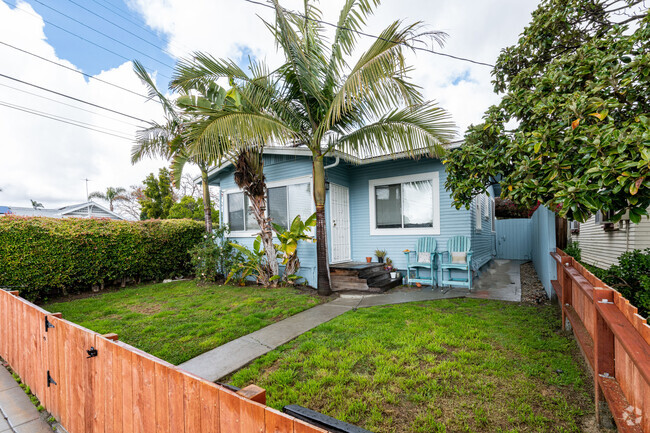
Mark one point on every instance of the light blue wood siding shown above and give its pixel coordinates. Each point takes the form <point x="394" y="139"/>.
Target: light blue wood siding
<point x="453" y="222"/>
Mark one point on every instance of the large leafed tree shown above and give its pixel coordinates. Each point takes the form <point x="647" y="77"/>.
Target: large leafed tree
<point x="573" y="128"/>
<point x="324" y="97"/>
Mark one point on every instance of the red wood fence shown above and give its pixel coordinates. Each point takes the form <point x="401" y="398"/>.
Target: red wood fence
<point x="614" y="339"/>
<point x="119" y="388"/>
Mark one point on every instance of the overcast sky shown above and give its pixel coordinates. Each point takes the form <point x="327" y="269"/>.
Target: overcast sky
<point x="47" y="160"/>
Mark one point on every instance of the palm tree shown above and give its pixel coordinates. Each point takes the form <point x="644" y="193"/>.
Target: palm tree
<point x="36" y="205"/>
<point x="166" y="141"/>
<point x="111" y="195"/>
<point x="316" y="99"/>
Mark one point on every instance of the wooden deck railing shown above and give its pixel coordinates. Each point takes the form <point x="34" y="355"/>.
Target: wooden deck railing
<point x="614" y="339"/>
<point x="94" y="383"/>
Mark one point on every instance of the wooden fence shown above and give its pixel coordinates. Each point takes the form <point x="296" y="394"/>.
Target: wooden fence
<point x="614" y="339"/>
<point x="94" y="383"/>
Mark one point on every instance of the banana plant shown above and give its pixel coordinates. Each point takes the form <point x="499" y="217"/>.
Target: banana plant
<point x="255" y="265"/>
<point x="288" y="246"/>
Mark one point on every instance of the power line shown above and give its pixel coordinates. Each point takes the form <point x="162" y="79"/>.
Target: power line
<point x="60" y="119"/>
<point x="427" y="50"/>
<point x="122" y="28"/>
<point x="75" y="35"/>
<point x="101" y="33"/>
<point x="10" y="105"/>
<point x="73" y="98"/>
<point x="76" y="70"/>
<point x="114" y="10"/>
<point x="69" y="105"/>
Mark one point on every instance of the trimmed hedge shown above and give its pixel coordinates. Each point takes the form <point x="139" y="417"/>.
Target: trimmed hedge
<point x="47" y="256"/>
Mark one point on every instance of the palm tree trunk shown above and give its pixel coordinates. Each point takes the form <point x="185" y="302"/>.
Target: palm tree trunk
<point x="258" y="203"/>
<point x="110" y="205"/>
<point x="207" y="206"/>
<point x="322" y="258"/>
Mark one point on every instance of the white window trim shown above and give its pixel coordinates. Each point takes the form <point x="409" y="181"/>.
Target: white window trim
<point x="274" y="184"/>
<point x="435" y="189"/>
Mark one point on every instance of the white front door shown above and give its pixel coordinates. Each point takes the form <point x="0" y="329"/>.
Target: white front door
<point x="340" y="223"/>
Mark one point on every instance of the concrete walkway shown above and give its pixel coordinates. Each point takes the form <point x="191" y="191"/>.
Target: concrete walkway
<point x="500" y="281"/>
<point x="17" y="413"/>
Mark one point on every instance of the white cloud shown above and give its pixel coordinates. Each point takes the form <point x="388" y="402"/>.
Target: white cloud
<point x="46" y="160"/>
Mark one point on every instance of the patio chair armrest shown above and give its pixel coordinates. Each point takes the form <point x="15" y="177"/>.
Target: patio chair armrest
<point x="408" y="253"/>
<point x="442" y="256"/>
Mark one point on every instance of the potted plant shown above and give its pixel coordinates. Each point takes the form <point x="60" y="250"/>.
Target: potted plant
<point x="380" y="255"/>
<point x="389" y="265"/>
<point x="368" y="259"/>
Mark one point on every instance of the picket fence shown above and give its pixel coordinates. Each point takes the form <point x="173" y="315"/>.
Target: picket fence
<point x="614" y="339"/>
<point x="94" y="383"/>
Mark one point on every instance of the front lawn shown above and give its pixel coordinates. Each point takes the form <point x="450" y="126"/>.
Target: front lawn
<point x="451" y="365"/>
<point x="178" y="321"/>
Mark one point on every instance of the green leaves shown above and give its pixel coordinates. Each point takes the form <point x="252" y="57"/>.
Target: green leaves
<point x="581" y="140"/>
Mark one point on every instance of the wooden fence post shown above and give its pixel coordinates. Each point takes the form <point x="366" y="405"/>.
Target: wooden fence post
<point x="603" y="345"/>
<point x="565" y="281"/>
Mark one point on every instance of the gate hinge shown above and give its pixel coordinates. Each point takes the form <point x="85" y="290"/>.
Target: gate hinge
<point x="49" y="379"/>
<point x="48" y="324"/>
<point x="92" y="352"/>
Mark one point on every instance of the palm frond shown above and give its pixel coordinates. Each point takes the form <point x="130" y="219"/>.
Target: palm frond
<point x="154" y="141"/>
<point x="201" y="69"/>
<point x="216" y="136"/>
<point x="351" y="21"/>
<point x="414" y="130"/>
<point x="178" y="164"/>
<point x="377" y="82"/>
<point x="152" y="90"/>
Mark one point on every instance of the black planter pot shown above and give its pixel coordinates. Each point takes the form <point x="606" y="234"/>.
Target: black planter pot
<point x="380" y="259"/>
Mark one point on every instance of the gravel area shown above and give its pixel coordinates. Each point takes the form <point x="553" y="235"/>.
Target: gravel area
<point x="532" y="291"/>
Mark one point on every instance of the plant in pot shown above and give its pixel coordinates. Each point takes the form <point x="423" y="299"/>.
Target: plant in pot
<point x="389" y="265"/>
<point x="380" y="255"/>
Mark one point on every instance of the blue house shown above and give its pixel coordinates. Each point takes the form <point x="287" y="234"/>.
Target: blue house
<point x="384" y="202"/>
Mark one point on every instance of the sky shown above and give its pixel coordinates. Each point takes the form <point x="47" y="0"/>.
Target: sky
<point x="49" y="160"/>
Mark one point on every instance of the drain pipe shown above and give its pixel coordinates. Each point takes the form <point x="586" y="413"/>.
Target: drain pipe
<point x="334" y="164"/>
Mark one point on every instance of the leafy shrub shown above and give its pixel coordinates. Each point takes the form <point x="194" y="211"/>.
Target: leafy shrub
<point x="214" y="257"/>
<point x="573" y="249"/>
<point x="631" y="277"/>
<point x="47" y="256"/>
<point x="252" y="264"/>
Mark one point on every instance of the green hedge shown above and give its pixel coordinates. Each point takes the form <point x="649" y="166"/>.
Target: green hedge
<point x="47" y="256"/>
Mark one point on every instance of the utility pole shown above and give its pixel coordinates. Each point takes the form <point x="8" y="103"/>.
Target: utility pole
<point x="87" y="180"/>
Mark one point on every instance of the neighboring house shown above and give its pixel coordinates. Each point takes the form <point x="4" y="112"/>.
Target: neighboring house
<point x="381" y="202"/>
<point x="602" y="242"/>
<point x="83" y="210"/>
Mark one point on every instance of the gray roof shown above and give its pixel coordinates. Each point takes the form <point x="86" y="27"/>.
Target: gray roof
<point x="82" y="210"/>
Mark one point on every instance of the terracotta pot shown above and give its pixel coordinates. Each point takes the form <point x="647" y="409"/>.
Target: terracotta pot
<point x="368" y="259"/>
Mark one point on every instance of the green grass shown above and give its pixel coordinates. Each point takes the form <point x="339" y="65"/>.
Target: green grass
<point x="441" y="366"/>
<point x="178" y="321"/>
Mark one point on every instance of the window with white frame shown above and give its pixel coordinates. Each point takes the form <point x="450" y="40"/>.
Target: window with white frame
<point x="285" y="201"/>
<point x="405" y="204"/>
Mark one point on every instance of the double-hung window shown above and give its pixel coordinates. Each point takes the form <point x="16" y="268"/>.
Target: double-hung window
<point x="405" y="204"/>
<point x="285" y="201"/>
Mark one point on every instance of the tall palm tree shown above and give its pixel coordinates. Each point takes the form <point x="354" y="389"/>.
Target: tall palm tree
<point x="321" y="100"/>
<point x="36" y="205"/>
<point x="166" y="141"/>
<point x="111" y="195"/>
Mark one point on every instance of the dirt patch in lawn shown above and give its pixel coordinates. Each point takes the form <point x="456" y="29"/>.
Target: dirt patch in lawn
<point x="146" y="309"/>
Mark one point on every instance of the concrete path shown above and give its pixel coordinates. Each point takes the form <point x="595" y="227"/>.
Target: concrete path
<point x="232" y="356"/>
<point x="17" y="413"/>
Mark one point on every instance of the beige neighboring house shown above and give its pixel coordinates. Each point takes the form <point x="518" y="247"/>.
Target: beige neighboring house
<point x="602" y="242"/>
<point x="83" y="210"/>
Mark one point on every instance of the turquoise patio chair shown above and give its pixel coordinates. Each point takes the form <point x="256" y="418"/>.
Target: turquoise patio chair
<point x="424" y="257"/>
<point x="457" y="244"/>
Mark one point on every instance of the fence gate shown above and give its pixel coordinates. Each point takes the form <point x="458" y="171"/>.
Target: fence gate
<point x="514" y="239"/>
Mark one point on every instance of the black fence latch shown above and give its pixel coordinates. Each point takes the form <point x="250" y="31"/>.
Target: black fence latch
<point x="92" y="352"/>
<point x="48" y="324"/>
<point x="50" y="381"/>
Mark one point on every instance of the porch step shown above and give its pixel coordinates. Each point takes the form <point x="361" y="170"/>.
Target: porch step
<point x="361" y="278"/>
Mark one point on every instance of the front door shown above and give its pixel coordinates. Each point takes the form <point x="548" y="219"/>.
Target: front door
<point x="340" y="223"/>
